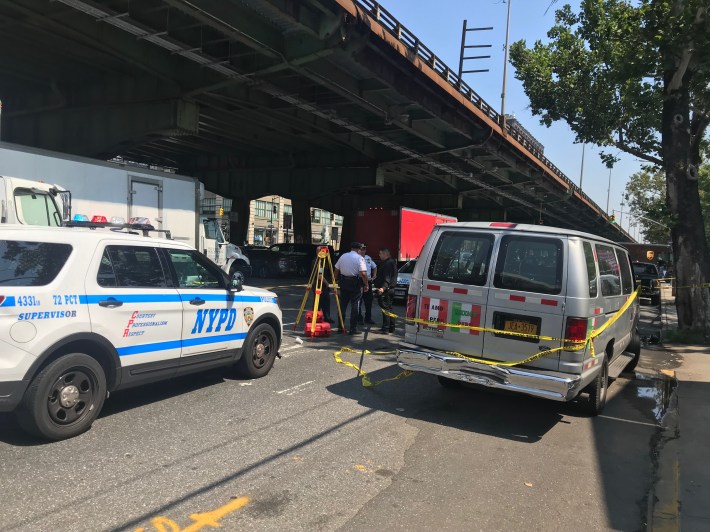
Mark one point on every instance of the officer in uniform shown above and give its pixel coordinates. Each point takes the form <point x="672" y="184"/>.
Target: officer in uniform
<point x="351" y="276"/>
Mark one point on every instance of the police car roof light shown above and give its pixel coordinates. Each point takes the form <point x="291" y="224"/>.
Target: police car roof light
<point x="80" y="218"/>
<point x="99" y="219"/>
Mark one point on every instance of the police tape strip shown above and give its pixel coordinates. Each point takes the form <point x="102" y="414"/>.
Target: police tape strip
<point x="366" y="381"/>
<point x="570" y="345"/>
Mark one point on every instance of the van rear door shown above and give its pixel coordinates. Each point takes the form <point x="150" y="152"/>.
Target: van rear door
<point x="527" y="297"/>
<point x="454" y="290"/>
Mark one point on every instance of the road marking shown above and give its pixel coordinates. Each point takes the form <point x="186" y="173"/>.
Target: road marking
<point x="200" y="521"/>
<point x="290" y="348"/>
<point x="631" y="421"/>
<point x="295" y="389"/>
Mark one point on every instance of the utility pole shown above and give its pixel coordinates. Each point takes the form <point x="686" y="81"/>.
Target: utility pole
<point x="505" y="67"/>
<point x="621" y="218"/>
<point x="608" y="189"/>
<point x="581" y="171"/>
<point x="464" y="46"/>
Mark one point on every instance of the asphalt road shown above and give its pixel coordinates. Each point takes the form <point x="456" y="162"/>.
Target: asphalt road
<point x="309" y="448"/>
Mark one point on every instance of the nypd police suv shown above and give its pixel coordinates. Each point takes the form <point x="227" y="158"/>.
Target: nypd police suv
<point x="87" y="311"/>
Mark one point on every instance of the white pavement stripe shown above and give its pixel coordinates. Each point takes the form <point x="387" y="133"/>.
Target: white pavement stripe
<point x="631" y="421"/>
<point x="295" y="389"/>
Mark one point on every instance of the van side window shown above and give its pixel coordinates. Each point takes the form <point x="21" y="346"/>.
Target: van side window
<point x="530" y="264"/>
<point x="461" y="258"/>
<point x="626" y="278"/>
<point x="608" y="271"/>
<point x="591" y="269"/>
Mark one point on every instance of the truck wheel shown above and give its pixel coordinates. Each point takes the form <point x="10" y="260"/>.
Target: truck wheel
<point x="235" y="271"/>
<point x="259" y="352"/>
<point x="634" y="348"/>
<point x="598" y="390"/>
<point x="64" y="398"/>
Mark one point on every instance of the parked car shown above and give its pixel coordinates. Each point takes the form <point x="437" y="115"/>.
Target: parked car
<point x="647" y="277"/>
<point x="404" y="278"/>
<point x="522" y="291"/>
<point x="85" y="312"/>
<point x="285" y="259"/>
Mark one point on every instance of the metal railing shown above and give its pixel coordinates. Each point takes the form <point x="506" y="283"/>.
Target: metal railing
<point x="412" y="42"/>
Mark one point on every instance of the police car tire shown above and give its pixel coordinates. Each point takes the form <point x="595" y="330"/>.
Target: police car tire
<point x="259" y="352"/>
<point x="33" y="414"/>
<point x="598" y="390"/>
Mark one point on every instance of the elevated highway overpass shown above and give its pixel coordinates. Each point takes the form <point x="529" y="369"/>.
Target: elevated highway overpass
<point x="332" y="103"/>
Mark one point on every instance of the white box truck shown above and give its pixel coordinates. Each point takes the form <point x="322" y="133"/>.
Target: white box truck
<point x="40" y="186"/>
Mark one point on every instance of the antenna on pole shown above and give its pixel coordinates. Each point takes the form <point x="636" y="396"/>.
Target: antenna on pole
<point x="465" y="46"/>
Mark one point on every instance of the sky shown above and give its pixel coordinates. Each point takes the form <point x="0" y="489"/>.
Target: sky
<point x="438" y="25"/>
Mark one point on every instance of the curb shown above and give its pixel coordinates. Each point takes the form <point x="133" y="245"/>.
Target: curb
<point x="663" y="513"/>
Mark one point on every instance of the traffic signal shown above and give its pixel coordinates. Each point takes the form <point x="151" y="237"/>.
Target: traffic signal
<point x="221" y="211"/>
<point x="612" y="218"/>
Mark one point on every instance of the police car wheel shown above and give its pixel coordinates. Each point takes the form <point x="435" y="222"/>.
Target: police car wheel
<point x="64" y="398"/>
<point x="598" y="390"/>
<point x="259" y="353"/>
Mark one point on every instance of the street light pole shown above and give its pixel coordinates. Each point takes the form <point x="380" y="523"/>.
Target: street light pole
<point x="505" y="67"/>
<point x="608" y="189"/>
<point x="581" y="171"/>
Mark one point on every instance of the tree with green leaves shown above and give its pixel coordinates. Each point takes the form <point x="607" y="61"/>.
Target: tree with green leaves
<point x="636" y="76"/>
<point x="646" y="198"/>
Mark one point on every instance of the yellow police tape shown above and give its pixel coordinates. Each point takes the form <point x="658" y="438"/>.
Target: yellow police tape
<point x="570" y="345"/>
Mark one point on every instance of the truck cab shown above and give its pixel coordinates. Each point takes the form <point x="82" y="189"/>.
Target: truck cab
<point x="27" y="202"/>
<point x="216" y="247"/>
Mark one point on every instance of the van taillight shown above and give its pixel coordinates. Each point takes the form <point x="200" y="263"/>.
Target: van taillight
<point x="411" y="306"/>
<point x="576" y="329"/>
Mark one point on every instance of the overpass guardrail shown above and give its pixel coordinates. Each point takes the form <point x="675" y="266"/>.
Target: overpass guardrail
<point x="412" y="42"/>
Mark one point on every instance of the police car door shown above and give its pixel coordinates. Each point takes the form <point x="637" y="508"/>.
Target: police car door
<point x="133" y="304"/>
<point x="212" y="321"/>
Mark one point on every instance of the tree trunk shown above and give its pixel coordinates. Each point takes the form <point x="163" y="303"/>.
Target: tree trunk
<point x="690" y="249"/>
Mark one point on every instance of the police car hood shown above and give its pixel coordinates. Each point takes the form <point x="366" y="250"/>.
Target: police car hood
<point x="259" y="291"/>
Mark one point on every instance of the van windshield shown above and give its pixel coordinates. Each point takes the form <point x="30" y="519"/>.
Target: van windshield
<point x="36" y="207"/>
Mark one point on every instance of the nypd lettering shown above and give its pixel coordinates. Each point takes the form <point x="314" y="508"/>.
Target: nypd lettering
<point x="214" y="320"/>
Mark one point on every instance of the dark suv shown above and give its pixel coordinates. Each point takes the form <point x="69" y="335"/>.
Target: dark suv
<point x="284" y="259"/>
<point x="646" y="275"/>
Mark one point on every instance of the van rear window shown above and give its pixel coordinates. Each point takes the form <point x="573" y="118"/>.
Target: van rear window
<point x="461" y="258"/>
<point x="31" y="263"/>
<point x="530" y="264"/>
<point x="609" y="272"/>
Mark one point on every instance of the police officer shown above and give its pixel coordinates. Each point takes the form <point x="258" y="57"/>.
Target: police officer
<point x="351" y="276"/>
<point x="367" y="296"/>
<point x="384" y="283"/>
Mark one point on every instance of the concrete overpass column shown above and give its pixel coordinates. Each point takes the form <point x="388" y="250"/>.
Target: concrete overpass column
<point x="301" y="220"/>
<point x="239" y="221"/>
<point x="348" y="231"/>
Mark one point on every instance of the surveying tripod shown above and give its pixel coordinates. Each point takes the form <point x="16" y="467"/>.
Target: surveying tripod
<point x="316" y="280"/>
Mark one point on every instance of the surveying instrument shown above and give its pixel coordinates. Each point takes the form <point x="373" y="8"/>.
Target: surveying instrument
<point x="316" y="281"/>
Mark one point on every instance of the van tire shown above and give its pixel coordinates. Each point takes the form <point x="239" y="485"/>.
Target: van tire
<point x="635" y="349"/>
<point x="42" y="412"/>
<point x="598" y="390"/>
<point x="259" y="352"/>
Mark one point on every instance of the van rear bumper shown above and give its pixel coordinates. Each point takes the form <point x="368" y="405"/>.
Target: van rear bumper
<point x="546" y="384"/>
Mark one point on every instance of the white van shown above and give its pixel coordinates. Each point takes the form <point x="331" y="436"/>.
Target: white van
<point x="519" y="291"/>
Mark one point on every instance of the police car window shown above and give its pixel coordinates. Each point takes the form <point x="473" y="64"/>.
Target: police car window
<point x="461" y="258"/>
<point x="609" y="273"/>
<point x="133" y="267"/>
<point x="626" y="277"/>
<point x="530" y="264"/>
<point x="31" y="263"/>
<point x="591" y="269"/>
<point x="194" y="271"/>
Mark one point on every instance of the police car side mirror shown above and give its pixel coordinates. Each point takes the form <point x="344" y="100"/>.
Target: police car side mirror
<point x="236" y="283"/>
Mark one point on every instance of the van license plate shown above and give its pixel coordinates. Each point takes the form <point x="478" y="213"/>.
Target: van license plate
<point x="524" y="327"/>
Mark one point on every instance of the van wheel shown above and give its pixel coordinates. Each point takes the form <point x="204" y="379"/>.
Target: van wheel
<point x="259" y="352"/>
<point x="64" y="398"/>
<point x="451" y="384"/>
<point x="634" y="348"/>
<point x="598" y="390"/>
